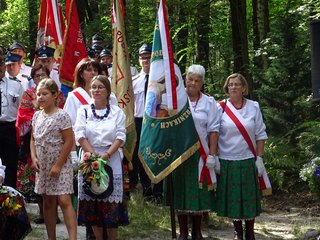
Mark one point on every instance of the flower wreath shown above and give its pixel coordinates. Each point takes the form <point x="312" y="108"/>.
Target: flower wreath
<point x="97" y="176"/>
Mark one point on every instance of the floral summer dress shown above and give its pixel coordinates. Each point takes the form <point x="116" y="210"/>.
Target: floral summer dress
<point x="49" y="143"/>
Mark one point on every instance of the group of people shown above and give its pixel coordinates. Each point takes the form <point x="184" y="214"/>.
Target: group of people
<point x="233" y="134"/>
<point x="63" y="129"/>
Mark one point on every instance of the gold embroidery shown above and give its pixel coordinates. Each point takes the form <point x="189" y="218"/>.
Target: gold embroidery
<point x="157" y="157"/>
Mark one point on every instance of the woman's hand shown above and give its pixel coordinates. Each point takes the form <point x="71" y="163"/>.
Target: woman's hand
<point x="55" y="171"/>
<point x="35" y="165"/>
<point x="106" y="156"/>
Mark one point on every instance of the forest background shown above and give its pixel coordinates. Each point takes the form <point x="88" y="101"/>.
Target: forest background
<point x="267" y="41"/>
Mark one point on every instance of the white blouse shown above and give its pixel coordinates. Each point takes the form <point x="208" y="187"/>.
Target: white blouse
<point x="206" y="115"/>
<point x="73" y="103"/>
<point x="101" y="133"/>
<point x="231" y="143"/>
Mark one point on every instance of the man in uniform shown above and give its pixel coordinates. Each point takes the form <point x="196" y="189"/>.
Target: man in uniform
<point x="19" y="49"/>
<point x="140" y="84"/>
<point x="11" y="91"/>
<point x="46" y="58"/>
<point x="13" y="66"/>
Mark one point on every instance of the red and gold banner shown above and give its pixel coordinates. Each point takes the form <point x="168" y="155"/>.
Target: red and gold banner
<point x="74" y="46"/>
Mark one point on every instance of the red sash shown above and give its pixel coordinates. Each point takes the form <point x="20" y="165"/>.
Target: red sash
<point x="264" y="181"/>
<point x="80" y="98"/>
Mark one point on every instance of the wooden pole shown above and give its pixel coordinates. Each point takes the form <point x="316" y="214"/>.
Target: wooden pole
<point x="172" y="213"/>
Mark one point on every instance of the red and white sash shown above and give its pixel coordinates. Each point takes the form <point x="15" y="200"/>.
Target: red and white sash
<point x="264" y="181"/>
<point x="204" y="173"/>
<point x="80" y="98"/>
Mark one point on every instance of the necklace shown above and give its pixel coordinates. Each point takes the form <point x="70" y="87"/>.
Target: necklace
<point x="241" y="106"/>
<point x="100" y="117"/>
<point x="195" y="105"/>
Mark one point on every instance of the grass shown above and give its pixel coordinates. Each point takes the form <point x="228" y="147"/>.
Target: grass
<point x="148" y="220"/>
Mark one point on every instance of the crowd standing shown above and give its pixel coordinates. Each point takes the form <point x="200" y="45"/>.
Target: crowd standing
<point x="63" y="131"/>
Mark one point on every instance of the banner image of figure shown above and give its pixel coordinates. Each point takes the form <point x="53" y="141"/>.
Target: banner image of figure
<point x="167" y="114"/>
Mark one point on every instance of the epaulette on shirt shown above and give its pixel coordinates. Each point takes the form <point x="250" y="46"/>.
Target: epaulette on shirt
<point x="15" y="79"/>
<point x="135" y="77"/>
<point x="26" y="76"/>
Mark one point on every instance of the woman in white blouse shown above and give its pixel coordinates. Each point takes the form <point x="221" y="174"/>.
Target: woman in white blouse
<point x="191" y="200"/>
<point x="100" y="129"/>
<point x="241" y="142"/>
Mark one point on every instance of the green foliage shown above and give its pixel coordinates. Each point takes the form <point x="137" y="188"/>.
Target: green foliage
<point x="284" y="95"/>
<point x="14" y="23"/>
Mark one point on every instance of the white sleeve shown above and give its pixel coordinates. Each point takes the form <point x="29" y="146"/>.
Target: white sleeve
<point x="213" y="116"/>
<point x="260" y="127"/>
<point x="121" y="127"/>
<point x="71" y="107"/>
<point x="80" y="124"/>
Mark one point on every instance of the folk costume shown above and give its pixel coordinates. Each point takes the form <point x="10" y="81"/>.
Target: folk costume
<point x="188" y="196"/>
<point x="238" y="193"/>
<point x="101" y="133"/>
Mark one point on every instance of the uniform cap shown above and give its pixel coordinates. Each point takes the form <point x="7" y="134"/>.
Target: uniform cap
<point x="97" y="38"/>
<point x="12" y="58"/>
<point x="97" y="48"/>
<point x="105" y="52"/>
<point x="145" y="48"/>
<point x="16" y="45"/>
<point x="45" y="52"/>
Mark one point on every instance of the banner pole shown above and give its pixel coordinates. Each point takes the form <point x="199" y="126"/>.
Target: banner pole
<point x="172" y="213"/>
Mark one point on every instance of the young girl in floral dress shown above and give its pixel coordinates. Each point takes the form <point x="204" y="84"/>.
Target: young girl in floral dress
<point x="51" y="142"/>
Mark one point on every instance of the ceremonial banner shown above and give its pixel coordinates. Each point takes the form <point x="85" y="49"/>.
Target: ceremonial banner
<point x="51" y="28"/>
<point x="74" y="48"/>
<point x="41" y="24"/>
<point x="168" y="135"/>
<point x="121" y="83"/>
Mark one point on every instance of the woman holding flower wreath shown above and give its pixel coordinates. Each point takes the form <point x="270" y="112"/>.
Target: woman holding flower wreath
<point x="100" y="131"/>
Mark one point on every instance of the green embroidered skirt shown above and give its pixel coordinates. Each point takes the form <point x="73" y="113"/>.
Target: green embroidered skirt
<point x="188" y="197"/>
<point x="238" y="191"/>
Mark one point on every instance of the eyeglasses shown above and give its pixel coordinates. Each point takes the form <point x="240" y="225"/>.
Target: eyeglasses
<point x="100" y="87"/>
<point x="236" y="85"/>
<point x="40" y="75"/>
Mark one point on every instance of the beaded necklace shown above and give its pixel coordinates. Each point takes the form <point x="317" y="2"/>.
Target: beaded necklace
<point x="100" y="117"/>
<point x="241" y="106"/>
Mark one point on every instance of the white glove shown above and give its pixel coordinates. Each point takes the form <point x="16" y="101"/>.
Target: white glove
<point x="213" y="162"/>
<point x="260" y="166"/>
<point x="74" y="159"/>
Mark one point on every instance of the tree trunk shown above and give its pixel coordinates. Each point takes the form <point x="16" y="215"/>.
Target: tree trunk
<point x="240" y="39"/>
<point x="260" y="20"/>
<point x="33" y="23"/>
<point x="203" y="13"/>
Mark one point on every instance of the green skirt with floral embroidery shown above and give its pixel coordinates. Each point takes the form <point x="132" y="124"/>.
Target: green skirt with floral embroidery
<point x="188" y="197"/>
<point x="238" y="192"/>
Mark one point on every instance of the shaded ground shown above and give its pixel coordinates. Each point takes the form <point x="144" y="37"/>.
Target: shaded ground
<point x="285" y="216"/>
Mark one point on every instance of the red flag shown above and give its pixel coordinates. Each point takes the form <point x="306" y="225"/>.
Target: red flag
<point x="53" y="28"/>
<point x="41" y="24"/>
<point x="74" y="46"/>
